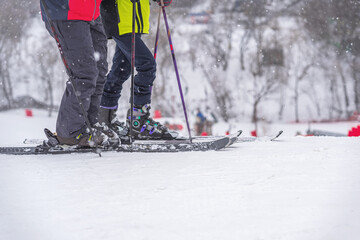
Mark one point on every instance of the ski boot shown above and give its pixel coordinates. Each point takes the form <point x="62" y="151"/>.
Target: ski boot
<point x="84" y="139"/>
<point x="108" y="117"/>
<point x="145" y="128"/>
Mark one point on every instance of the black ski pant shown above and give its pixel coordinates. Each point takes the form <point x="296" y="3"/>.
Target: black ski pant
<point x="121" y="70"/>
<point x="84" y="46"/>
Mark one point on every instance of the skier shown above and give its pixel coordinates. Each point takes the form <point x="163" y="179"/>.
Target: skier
<point x="199" y="123"/>
<point x="78" y="30"/>
<point x="203" y="126"/>
<point x="144" y="127"/>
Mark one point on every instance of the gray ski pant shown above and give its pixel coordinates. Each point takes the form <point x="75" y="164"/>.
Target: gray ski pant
<point x="84" y="45"/>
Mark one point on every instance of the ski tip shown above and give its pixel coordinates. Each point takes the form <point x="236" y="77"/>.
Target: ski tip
<point x="222" y="143"/>
<point x="52" y="139"/>
<point x="278" y="135"/>
<point x="47" y="132"/>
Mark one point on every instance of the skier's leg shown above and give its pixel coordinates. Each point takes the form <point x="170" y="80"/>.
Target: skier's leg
<point x="100" y="46"/>
<point x="77" y="45"/>
<point x="145" y="67"/>
<point x="146" y="73"/>
<point x="119" y="73"/>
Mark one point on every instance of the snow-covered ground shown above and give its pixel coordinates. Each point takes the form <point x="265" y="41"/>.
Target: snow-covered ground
<point x="293" y="189"/>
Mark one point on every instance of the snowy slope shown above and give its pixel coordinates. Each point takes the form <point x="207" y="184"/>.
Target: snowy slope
<point x="295" y="188"/>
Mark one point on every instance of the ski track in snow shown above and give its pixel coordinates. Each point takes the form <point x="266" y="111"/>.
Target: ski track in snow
<point x="294" y="188"/>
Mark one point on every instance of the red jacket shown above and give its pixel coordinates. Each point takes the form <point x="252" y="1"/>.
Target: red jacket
<point x="86" y="10"/>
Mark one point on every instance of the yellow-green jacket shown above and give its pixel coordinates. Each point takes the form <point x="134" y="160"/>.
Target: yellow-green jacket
<point x="117" y="16"/>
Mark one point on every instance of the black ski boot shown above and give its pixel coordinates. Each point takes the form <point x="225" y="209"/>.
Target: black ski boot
<point x="145" y="128"/>
<point x="109" y="118"/>
<point x="94" y="138"/>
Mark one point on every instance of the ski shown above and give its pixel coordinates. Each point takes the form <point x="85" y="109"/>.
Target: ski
<point x="324" y="133"/>
<point x="234" y="137"/>
<point x="149" y="146"/>
<point x="263" y="139"/>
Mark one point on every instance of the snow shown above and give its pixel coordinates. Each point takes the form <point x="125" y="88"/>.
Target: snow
<point x="292" y="189"/>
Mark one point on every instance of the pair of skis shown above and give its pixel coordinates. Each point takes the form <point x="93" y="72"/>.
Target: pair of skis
<point x="176" y="145"/>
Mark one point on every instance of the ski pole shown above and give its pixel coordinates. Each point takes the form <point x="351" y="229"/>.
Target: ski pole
<point x="132" y="70"/>
<point x="157" y="39"/>
<point x="157" y="34"/>
<point x="176" y="68"/>
<point x="69" y="73"/>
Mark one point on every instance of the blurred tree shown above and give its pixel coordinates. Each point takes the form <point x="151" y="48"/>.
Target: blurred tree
<point x="216" y="41"/>
<point x="336" y="24"/>
<point x="14" y="18"/>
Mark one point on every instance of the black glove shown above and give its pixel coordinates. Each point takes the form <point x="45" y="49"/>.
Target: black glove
<point x="166" y="2"/>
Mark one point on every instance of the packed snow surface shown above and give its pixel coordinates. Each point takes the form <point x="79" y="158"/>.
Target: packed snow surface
<point x="294" y="188"/>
